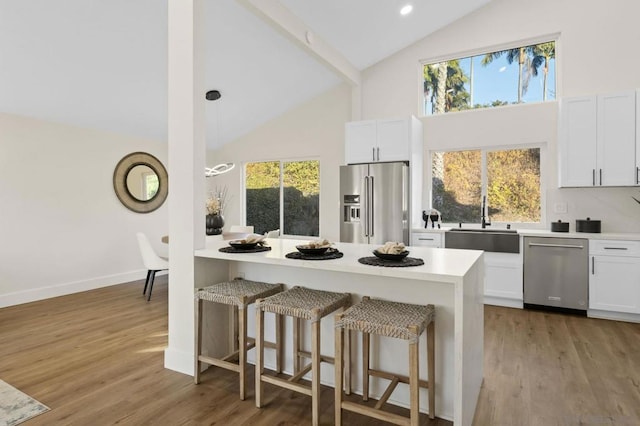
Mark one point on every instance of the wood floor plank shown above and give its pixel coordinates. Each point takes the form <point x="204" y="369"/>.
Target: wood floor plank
<point x="97" y="358"/>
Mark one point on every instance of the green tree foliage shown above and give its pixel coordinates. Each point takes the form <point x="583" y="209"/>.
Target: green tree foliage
<point x="514" y="185"/>
<point x="458" y="195"/>
<point x="263" y="175"/>
<point x="452" y="96"/>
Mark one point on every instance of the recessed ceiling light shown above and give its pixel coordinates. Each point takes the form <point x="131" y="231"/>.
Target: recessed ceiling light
<point x="406" y="10"/>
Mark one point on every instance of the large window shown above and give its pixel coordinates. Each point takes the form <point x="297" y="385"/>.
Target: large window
<point x="512" y="76"/>
<point x="510" y="179"/>
<point x="283" y="195"/>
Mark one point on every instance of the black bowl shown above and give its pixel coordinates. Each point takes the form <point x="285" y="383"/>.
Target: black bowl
<point x="242" y="246"/>
<point x="312" y="251"/>
<point x="390" y="256"/>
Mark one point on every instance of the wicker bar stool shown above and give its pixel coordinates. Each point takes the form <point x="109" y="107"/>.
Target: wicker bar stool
<point x="301" y="303"/>
<point x="391" y="319"/>
<point x="239" y="294"/>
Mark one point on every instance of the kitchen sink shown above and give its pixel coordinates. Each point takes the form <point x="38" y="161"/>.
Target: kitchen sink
<point x="493" y="240"/>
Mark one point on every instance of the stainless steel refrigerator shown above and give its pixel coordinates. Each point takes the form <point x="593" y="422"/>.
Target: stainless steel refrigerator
<point x="374" y="203"/>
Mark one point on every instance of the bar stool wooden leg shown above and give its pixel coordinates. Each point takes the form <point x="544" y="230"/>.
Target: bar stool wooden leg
<point x="315" y="373"/>
<point x="242" y="331"/>
<point x="347" y="361"/>
<point x="431" y="368"/>
<point x="414" y="381"/>
<point x="365" y="366"/>
<point x="296" y="345"/>
<point x="279" y="325"/>
<point x="339" y="362"/>
<point x="198" y="340"/>
<point x="259" y="354"/>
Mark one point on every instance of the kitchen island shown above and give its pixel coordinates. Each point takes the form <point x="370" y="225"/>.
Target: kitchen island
<point x="450" y="279"/>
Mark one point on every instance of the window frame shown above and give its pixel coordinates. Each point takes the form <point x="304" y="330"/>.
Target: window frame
<point x="484" y="180"/>
<point x="281" y="193"/>
<point x="552" y="37"/>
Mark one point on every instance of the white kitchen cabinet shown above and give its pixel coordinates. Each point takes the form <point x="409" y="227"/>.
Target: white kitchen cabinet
<point x="427" y="239"/>
<point x="614" y="278"/>
<point x="597" y="140"/>
<point x="503" y="284"/>
<point x="382" y="140"/>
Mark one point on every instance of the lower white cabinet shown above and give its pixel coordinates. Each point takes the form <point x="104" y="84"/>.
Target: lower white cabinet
<point x="427" y="239"/>
<point x="614" y="278"/>
<point x="503" y="279"/>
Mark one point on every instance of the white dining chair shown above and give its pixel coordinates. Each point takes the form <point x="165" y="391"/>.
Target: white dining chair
<point x="272" y="234"/>
<point x="152" y="262"/>
<point x="239" y="228"/>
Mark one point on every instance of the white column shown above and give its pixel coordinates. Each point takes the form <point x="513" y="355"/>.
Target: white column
<point x="186" y="172"/>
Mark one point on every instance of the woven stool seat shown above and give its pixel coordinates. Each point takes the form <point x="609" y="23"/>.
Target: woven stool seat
<point x="305" y="303"/>
<point x="391" y="319"/>
<point x="237" y="292"/>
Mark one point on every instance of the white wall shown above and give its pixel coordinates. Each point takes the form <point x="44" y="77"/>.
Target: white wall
<point x="62" y="228"/>
<point x="315" y="130"/>
<point x="593" y="50"/>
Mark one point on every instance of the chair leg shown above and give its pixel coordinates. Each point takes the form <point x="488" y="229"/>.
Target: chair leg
<point x="315" y="373"/>
<point x="279" y="354"/>
<point x="259" y="354"/>
<point x="153" y="277"/>
<point x="198" y="340"/>
<point x="414" y="384"/>
<point x="365" y="366"/>
<point x="339" y="364"/>
<point x="146" y="283"/>
<point x="242" y="330"/>
<point x="347" y="361"/>
<point x="296" y="345"/>
<point x="431" y="368"/>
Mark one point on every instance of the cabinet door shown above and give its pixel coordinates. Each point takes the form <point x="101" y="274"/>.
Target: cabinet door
<point x="614" y="284"/>
<point x="393" y="140"/>
<point x="578" y="141"/>
<point x="637" y="176"/>
<point x="360" y="142"/>
<point x="503" y="276"/>
<point x="616" y="139"/>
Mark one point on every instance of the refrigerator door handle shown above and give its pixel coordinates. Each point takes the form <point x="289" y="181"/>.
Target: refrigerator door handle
<point x="366" y="206"/>
<point x="371" y="206"/>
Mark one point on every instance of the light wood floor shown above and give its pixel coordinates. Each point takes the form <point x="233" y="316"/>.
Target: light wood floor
<point x="96" y="358"/>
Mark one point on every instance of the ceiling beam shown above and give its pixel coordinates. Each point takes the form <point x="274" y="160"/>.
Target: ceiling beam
<point x="287" y="23"/>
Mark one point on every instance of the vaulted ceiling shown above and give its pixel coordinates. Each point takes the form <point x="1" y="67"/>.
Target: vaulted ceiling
<point x="102" y="63"/>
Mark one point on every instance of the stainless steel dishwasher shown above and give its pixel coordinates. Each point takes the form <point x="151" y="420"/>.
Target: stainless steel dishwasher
<point x="556" y="273"/>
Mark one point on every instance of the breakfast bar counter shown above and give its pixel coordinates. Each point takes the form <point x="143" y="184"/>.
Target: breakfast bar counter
<point x="452" y="280"/>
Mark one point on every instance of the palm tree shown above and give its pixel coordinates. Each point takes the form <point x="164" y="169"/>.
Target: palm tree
<point x="519" y="54"/>
<point x="542" y="54"/>
<point x="444" y="84"/>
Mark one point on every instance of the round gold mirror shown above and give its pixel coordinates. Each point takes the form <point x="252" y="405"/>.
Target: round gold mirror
<point x="141" y="182"/>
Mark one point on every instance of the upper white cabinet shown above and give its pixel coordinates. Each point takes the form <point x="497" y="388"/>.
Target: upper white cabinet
<point x="597" y="140"/>
<point x="371" y="141"/>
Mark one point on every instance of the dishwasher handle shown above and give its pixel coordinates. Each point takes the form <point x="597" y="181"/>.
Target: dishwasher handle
<point x="573" y="246"/>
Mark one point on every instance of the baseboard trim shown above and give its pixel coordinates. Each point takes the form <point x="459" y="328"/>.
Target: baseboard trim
<point x="41" y="293"/>
<point x="616" y="316"/>
<point x="500" y="301"/>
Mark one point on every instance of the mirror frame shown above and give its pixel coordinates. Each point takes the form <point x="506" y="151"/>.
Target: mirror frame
<point x="120" y="173"/>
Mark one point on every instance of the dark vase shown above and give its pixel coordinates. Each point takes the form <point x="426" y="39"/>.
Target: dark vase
<point x="214" y="224"/>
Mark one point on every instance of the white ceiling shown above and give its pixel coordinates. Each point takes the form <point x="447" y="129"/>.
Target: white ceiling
<point x="102" y="63"/>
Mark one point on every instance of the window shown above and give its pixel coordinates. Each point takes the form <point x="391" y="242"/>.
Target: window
<point x="512" y="76"/>
<point x="283" y="195"/>
<point x="150" y="185"/>
<point x="510" y="179"/>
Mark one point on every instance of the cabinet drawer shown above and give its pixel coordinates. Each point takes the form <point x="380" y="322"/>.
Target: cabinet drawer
<point x="614" y="248"/>
<point x="426" y="239"/>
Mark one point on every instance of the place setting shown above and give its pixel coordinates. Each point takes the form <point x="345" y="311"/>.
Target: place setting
<point x="252" y="243"/>
<point x="392" y="254"/>
<point x="315" y="250"/>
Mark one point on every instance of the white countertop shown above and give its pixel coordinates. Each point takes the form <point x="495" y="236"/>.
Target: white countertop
<point x="626" y="236"/>
<point x="442" y="265"/>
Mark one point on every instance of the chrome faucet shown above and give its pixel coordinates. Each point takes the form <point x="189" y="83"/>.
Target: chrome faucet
<point x="485" y="213"/>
